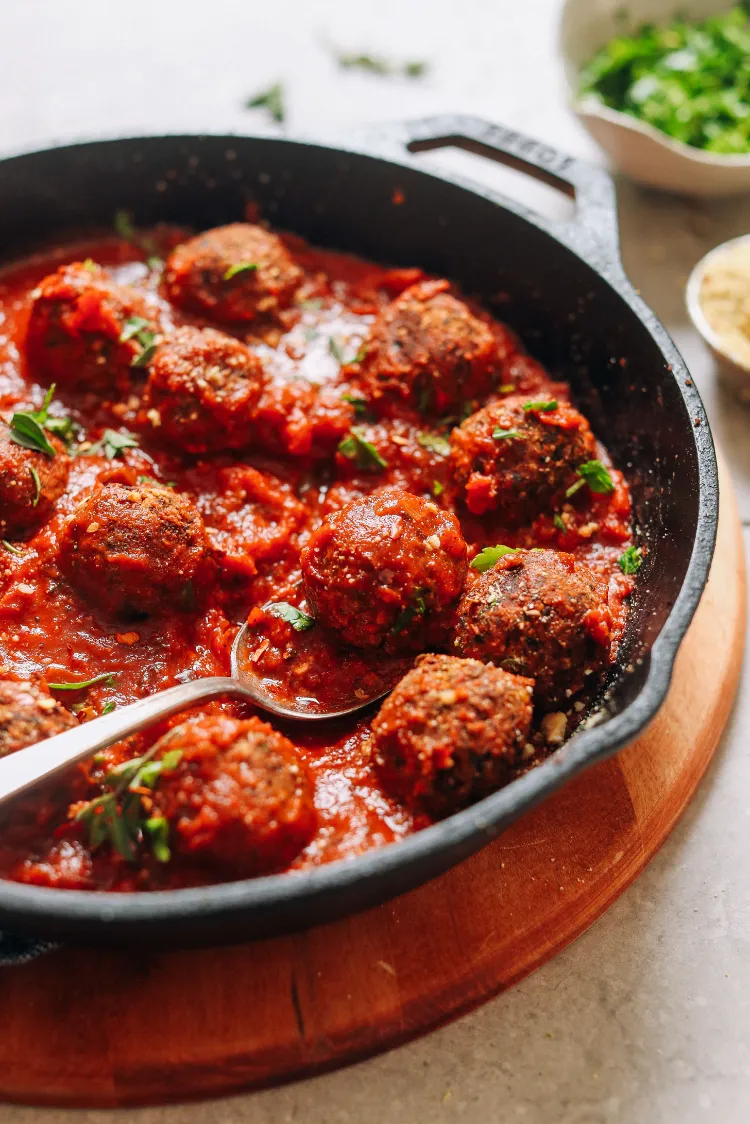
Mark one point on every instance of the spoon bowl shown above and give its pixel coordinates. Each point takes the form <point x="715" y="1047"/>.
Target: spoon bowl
<point x="27" y="767"/>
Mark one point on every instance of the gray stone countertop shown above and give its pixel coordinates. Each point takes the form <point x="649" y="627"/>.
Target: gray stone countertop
<point x="646" y="1018"/>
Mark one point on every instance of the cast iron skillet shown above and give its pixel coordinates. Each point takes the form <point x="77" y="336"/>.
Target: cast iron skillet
<point x="561" y="285"/>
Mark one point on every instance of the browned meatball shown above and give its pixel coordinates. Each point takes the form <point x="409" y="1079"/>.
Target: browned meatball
<point x="135" y="551"/>
<point x="78" y="318"/>
<point x="452" y="731"/>
<point x="239" y="798"/>
<point x="383" y="570"/>
<point x="232" y="273"/>
<point x="30" y="484"/>
<point x="538" y="613"/>
<point x="202" y="390"/>
<point x="512" y="460"/>
<point x="428" y="349"/>
<point x="29" y="715"/>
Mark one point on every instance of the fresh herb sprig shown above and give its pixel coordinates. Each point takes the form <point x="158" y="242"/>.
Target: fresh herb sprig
<point x="299" y="621"/>
<point x="490" y="556"/>
<point x="111" y="444"/>
<point x="29" y="428"/>
<point x="596" y="476"/>
<point x="355" y="447"/>
<point x="120" y="818"/>
<point x="631" y="559"/>
<point x="138" y="329"/>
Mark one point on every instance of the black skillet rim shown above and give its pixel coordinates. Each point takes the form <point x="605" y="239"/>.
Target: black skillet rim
<point x="592" y="238"/>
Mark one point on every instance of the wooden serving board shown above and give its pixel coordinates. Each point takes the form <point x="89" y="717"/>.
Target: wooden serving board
<point x="108" y="1028"/>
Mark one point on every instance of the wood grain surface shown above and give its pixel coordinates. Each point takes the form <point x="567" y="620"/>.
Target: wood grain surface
<point x="112" y="1028"/>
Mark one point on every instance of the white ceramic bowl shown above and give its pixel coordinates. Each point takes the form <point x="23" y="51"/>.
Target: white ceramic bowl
<point x="640" y="151"/>
<point x="731" y="370"/>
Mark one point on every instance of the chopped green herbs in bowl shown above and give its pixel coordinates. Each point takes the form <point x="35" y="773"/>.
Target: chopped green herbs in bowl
<point x="689" y="79"/>
<point x="664" y="87"/>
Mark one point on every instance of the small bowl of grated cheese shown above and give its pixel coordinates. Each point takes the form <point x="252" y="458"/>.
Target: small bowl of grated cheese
<point x="718" y="301"/>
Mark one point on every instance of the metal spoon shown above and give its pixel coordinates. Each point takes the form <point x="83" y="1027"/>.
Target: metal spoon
<point x="26" y="767"/>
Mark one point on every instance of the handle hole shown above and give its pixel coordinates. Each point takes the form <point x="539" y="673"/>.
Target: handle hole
<point x="537" y="189"/>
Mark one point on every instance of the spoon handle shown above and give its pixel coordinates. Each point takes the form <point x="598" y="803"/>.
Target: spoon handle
<point x="26" y="767"/>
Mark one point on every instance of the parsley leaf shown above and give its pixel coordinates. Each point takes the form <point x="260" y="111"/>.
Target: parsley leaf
<point x="133" y="327"/>
<point x="119" y="818"/>
<point x="37" y="485"/>
<point x="27" y="427"/>
<point x="113" y="443"/>
<point x="501" y="434"/>
<point x="437" y="488"/>
<point x="559" y="523"/>
<point x="107" y="677"/>
<point x="299" y="621"/>
<point x="240" y="267"/>
<point x="359" y="404"/>
<point x="488" y="557"/>
<point x="596" y="476"/>
<point x="272" y="100"/>
<point x="542" y="407"/>
<point x="630" y="561"/>
<point x="357" y="448"/>
<point x="435" y="442"/>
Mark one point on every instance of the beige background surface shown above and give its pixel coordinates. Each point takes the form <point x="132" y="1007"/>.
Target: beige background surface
<point x="646" y="1019"/>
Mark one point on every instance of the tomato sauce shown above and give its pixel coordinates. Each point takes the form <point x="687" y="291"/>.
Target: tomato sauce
<point x="259" y="510"/>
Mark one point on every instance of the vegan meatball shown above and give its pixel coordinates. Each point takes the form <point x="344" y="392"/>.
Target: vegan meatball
<point x="539" y="613"/>
<point x="383" y="569"/>
<point x="451" y="732"/>
<point x="232" y="273"/>
<point x="30" y="484"/>
<point x="512" y="456"/>
<point x="29" y="715"/>
<point x="239" y="798"/>
<point x="85" y="330"/>
<point x="136" y="550"/>
<point x="202" y="390"/>
<point x="428" y="349"/>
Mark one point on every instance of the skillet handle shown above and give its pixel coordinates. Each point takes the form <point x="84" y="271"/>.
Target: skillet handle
<point x="593" y="230"/>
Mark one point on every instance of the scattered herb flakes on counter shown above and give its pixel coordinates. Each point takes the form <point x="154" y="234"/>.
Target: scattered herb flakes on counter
<point x="272" y="100"/>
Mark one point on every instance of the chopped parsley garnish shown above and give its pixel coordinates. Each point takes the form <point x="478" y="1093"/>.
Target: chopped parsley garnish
<point x="11" y="548"/>
<point x="503" y="434"/>
<point x="299" y="621"/>
<point x="359" y="404"/>
<point x="437" y="488"/>
<point x="133" y="327"/>
<point x="240" y="267"/>
<point x="336" y="351"/>
<point x="417" y="608"/>
<point x="435" y="442"/>
<point x="357" y="448"/>
<point x="37" y="485"/>
<point x="107" y="677"/>
<point x="136" y="328"/>
<point x="630" y="561"/>
<point x="542" y="407"/>
<point x="272" y="100"/>
<point x="109" y="706"/>
<point x="119" y="817"/>
<point x="125" y="229"/>
<point x="488" y="557"/>
<point x="596" y="476"/>
<point x="27" y="427"/>
<point x="383" y="68"/>
<point x="112" y="443"/>
<point x="559" y="522"/>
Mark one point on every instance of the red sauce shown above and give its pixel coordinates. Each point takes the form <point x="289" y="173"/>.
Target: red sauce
<point x="259" y="510"/>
